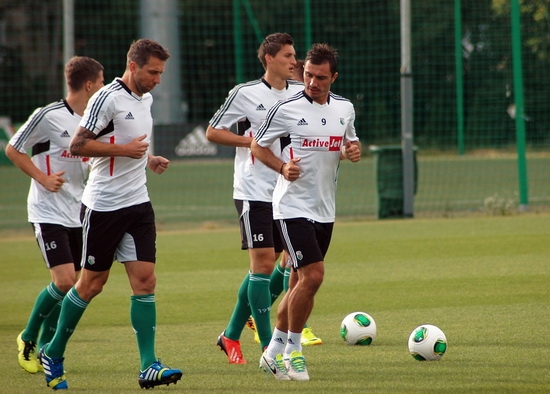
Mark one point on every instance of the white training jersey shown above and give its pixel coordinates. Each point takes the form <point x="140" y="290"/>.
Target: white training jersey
<point x="314" y="133"/>
<point x="117" y="116"/>
<point x="247" y="105"/>
<point x="48" y="131"/>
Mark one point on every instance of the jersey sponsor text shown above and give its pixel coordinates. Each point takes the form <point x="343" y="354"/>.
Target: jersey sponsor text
<point x="332" y="143"/>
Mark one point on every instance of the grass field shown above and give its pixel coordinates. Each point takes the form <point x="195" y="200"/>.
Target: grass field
<point x="198" y="193"/>
<point x="484" y="281"/>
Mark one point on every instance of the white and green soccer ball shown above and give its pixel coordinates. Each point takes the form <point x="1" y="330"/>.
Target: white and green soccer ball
<point x="427" y="343"/>
<point x="358" y="328"/>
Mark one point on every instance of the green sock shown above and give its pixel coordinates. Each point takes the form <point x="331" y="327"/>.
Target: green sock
<point x="241" y="312"/>
<point x="276" y="282"/>
<point x="287" y="278"/>
<point x="72" y="309"/>
<point x="143" y="315"/>
<point x="49" y="326"/>
<point x="45" y="302"/>
<point x="260" y="305"/>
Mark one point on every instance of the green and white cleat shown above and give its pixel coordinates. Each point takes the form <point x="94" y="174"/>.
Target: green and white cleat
<point x="296" y="366"/>
<point x="275" y="366"/>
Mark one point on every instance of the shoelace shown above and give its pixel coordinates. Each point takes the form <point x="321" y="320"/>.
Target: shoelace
<point x="280" y="364"/>
<point x="29" y="348"/>
<point x="298" y="363"/>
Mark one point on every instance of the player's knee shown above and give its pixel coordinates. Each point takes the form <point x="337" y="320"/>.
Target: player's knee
<point x="144" y="284"/>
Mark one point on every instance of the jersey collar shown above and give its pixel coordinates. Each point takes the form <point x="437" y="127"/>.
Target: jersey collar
<point x="269" y="86"/>
<point x="128" y="89"/>
<point x="68" y="106"/>
<point x="311" y="100"/>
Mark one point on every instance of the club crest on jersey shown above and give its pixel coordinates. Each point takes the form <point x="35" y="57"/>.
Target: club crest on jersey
<point x="331" y="143"/>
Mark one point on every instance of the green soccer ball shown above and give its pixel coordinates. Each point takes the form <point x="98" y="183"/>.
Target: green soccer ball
<point x="427" y="343"/>
<point x="358" y="328"/>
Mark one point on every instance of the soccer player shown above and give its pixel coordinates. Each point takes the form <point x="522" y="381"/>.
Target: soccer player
<point x="53" y="203"/>
<point x="246" y="106"/>
<point x="117" y="216"/>
<point x="308" y="337"/>
<point x="318" y="127"/>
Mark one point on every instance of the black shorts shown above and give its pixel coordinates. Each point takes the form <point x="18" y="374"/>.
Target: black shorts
<point x="258" y="229"/>
<point x="305" y="240"/>
<point x="127" y="234"/>
<point x="59" y="244"/>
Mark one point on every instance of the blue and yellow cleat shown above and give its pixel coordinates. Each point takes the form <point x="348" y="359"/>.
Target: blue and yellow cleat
<point x="53" y="370"/>
<point x="158" y="374"/>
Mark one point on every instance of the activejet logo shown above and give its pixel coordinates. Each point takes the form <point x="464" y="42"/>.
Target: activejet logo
<point x="330" y="144"/>
<point x="68" y="156"/>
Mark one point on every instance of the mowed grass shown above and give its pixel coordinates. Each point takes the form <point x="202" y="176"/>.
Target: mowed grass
<point x="484" y="281"/>
<point x="198" y="193"/>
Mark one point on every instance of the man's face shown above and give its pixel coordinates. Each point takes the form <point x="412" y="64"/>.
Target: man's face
<point x="148" y="76"/>
<point x="283" y="62"/>
<point x="318" y="80"/>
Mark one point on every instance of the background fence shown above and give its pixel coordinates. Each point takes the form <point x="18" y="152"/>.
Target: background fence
<point x="217" y="41"/>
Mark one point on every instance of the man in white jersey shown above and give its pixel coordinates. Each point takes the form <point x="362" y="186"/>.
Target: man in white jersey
<point x="318" y="127"/>
<point x="246" y="106"/>
<point x="53" y="203"/>
<point x="117" y="217"/>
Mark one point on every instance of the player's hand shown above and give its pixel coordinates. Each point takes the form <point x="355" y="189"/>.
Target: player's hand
<point x="136" y="148"/>
<point x="291" y="170"/>
<point x="352" y="152"/>
<point x="54" y="181"/>
<point x="158" y="164"/>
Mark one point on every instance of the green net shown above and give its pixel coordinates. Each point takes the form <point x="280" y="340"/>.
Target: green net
<point x="464" y="97"/>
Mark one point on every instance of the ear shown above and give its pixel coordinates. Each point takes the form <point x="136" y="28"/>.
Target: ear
<point x="334" y="77"/>
<point x="133" y="67"/>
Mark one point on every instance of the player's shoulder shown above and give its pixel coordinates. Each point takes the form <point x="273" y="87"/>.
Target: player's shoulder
<point x="48" y="110"/>
<point x="254" y="84"/>
<point x="111" y="90"/>
<point x="295" y="83"/>
<point x="334" y="96"/>
<point x="293" y="98"/>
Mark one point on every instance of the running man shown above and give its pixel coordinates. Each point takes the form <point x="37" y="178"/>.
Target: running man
<point x="53" y="203"/>
<point x="246" y="107"/>
<point x="318" y="129"/>
<point x="117" y="216"/>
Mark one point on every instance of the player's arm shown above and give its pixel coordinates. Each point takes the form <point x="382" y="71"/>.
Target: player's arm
<point x="227" y="137"/>
<point x="84" y="144"/>
<point x="289" y="170"/>
<point x="52" y="182"/>
<point x="351" y="151"/>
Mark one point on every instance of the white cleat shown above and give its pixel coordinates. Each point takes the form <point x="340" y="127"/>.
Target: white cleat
<point x="275" y="366"/>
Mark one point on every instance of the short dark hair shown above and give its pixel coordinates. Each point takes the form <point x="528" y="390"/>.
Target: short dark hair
<point x="272" y="44"/>
<point x="298" y="72"/>
<point x="141" y="50"/>
<point x="81" y="69"/>
<point x="322" y="53"/>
